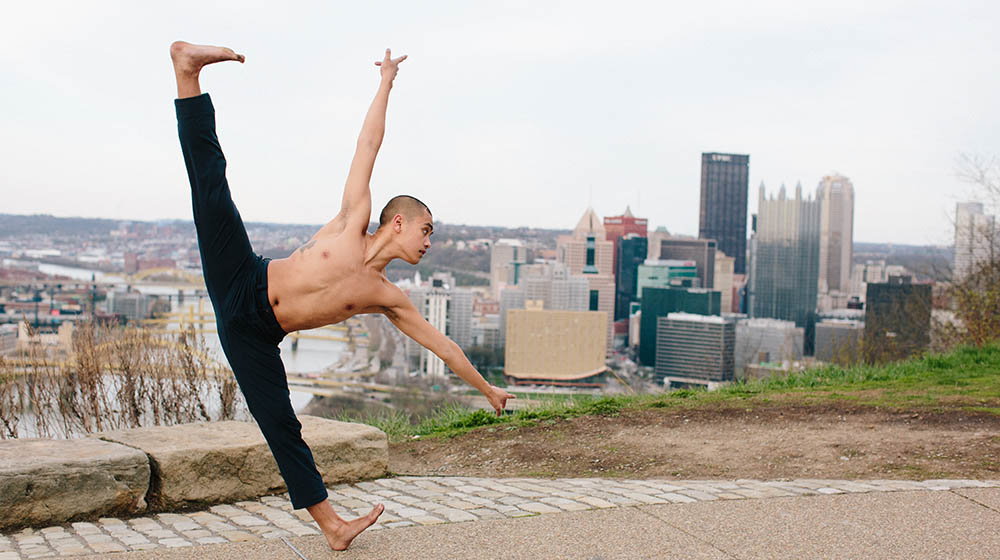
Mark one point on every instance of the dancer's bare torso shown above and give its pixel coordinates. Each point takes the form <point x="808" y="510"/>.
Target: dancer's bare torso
<point x="326" y="281"/>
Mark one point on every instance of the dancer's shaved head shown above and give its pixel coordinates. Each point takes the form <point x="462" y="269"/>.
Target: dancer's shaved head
<point x="405" y="205"/>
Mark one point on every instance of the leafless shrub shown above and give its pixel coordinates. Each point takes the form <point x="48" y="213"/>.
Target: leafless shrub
<point x="114" y="378"/>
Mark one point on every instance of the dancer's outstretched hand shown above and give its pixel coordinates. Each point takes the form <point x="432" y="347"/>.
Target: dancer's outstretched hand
<point x="498" y="399"/>
<point x="389" y="65"/>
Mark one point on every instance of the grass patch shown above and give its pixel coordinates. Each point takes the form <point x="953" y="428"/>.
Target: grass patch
<point x="964" y="379"/>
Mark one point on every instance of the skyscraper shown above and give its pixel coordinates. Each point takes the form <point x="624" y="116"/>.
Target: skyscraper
<point x="631" y="253"/>
<point x="616" y="227"/>
<point x="723" y="213"/>
<point x="783" y="283"/>
<point x="977" y="238"/>
<point x="836" y="240"/>
<point x="587" y="252"/>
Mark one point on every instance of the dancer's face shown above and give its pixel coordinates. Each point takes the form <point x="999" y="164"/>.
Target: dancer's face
<point x="416" y="234"/>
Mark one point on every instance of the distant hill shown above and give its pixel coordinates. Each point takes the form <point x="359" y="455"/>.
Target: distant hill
<point x="12" y="225"/>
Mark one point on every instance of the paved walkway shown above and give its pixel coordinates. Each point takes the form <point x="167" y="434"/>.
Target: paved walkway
<point x="427" y="501"/>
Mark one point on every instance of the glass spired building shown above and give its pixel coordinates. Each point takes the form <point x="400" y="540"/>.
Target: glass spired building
<point x="723" y="211"/>
<point x="785" y="262"/>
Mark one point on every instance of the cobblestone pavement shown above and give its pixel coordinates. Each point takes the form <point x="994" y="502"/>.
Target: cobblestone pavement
<point x="417" y="501"/>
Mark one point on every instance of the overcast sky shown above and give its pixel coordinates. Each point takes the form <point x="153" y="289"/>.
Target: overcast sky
<point x="505" y="113"/>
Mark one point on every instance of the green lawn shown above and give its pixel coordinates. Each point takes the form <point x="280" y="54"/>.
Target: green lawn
<point x="963" y="379"/>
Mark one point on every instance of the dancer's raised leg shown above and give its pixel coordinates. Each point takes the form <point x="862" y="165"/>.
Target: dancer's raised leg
<point x="190" y="59"/>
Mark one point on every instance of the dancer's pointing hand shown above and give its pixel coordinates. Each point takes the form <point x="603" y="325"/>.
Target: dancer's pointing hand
<point x="389" y="65"/>
<point x="498" y="399"/>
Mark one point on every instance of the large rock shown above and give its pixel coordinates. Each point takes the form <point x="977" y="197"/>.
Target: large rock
<point x="207" y="463"/>
<point x="46" y="481"/>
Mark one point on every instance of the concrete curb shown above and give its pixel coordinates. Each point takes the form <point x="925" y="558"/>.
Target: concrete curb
<point x="129" y="472"/>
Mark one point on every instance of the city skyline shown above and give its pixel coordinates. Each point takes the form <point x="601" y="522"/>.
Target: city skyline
<point x="500" y="117"/>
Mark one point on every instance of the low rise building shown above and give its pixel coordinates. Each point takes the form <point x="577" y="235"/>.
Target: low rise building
<point x="767" y="340"/>
<point x="555" y="347"/>
<point x="694" y="349"/>
<point x="839" y="340"/>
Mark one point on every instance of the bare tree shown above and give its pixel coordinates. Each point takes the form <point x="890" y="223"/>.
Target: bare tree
<point x="975" y="293"/>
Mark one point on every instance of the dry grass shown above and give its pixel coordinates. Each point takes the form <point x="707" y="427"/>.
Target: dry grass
<point x="115" y="378"/>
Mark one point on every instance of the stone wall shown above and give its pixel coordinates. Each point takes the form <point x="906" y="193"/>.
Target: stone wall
<point x="132" y="472"/>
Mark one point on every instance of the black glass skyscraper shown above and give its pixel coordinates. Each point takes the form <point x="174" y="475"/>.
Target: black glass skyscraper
<point x="723" y="213"/>
<point x="631" y="253"/>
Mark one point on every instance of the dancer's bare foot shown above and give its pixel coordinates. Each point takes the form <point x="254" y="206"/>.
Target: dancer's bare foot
<point x="190" y="59"/>
<point x="340" y="533"/>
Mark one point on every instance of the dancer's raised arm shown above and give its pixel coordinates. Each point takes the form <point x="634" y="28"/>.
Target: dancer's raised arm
<point x="356" y="207"/>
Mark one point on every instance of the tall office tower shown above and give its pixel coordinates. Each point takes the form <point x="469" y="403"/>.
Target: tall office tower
<point x="617" y="227"/>
<point x="460" y="316"/>
<point x="836" y="240"/>
<point x="632" y="252"/>
<point x="724" y="278"/>
<point x="723" y="214"/>
<point x="977" y="239"/>
<point x="660" y="302"/>
<point x="432" y="303"/>
<point x="701" y="251"/>
<point x="587" y="249"/>
<point x="459" y="307"/>
<point x="587" y="252"/>
<point x="897" y="319"/>
<point x="784" y="280"/>
<point x="506" y="258"/>
<point x="694" y="350"/>
<point x="767" y="340"/>
<point x="436" y="313"/>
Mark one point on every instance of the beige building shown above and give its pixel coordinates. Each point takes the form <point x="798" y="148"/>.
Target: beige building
<point x="555" y="345"/>
<point x="60" y="341"/>
<point x="723" y="279"/>
<point x="836" y="242"/>
<point x="655" y="242"/>
<point x="587" y="253"/>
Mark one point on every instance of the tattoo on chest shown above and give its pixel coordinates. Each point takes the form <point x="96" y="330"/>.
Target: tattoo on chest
<point x="309" y="245"/>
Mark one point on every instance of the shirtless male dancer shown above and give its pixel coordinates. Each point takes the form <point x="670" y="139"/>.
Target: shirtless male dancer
<point x="337" y="274"/>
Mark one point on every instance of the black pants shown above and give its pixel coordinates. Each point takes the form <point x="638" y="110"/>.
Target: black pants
<point x="236" y="279"/>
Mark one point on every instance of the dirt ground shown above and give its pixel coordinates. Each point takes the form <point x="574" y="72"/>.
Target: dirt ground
<point x="769" y="442"/>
